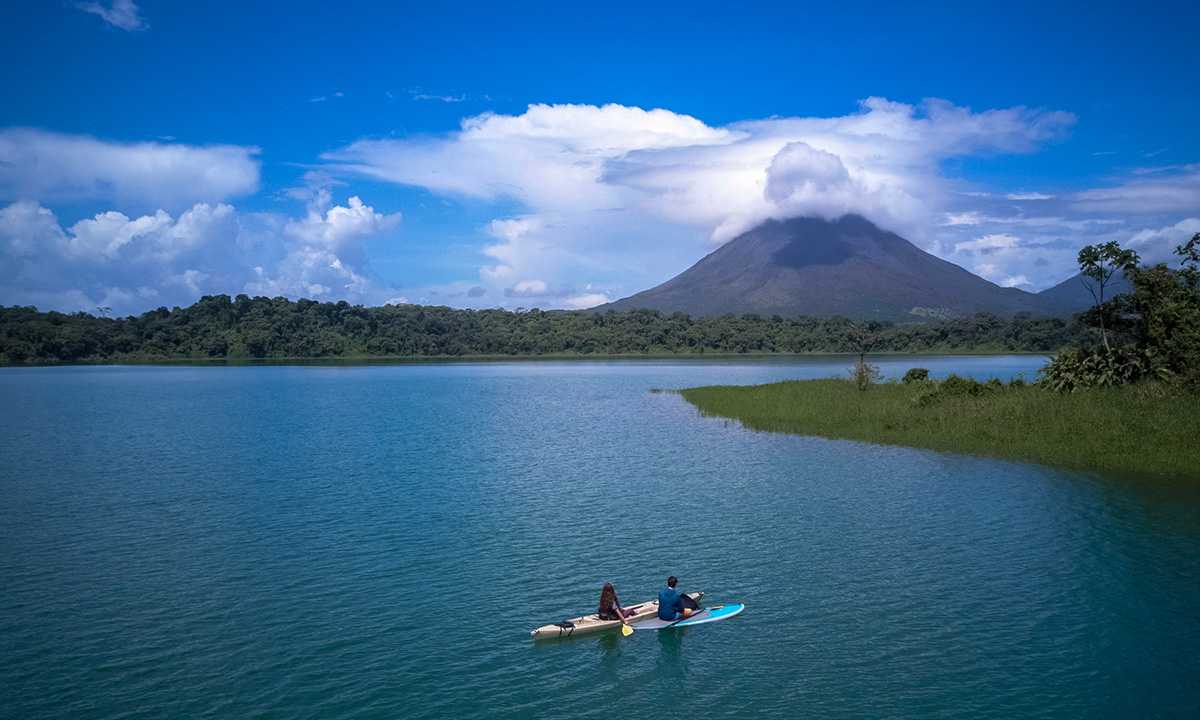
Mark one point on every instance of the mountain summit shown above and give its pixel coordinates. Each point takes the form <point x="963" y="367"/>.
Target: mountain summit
<point x="821" y="268"/>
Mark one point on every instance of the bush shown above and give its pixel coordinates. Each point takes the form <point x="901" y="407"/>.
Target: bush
<point x="915" y="375"/>
<point x="1074" y="369"/>
<point x="864" y="374"/>
<point x="958" y="385"/>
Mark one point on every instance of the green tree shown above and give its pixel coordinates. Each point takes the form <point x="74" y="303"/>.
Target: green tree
<point x="1100" y="263"/>
<point x="1158" y="322"/>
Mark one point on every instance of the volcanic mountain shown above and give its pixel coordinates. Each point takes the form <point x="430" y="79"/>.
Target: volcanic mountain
<point x="821" y="268"/>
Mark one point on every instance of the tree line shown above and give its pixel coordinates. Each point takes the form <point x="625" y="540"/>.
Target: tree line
<point x="219" y="327"/>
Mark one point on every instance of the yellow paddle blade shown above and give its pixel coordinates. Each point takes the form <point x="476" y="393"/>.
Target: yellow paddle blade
<point x="626" y="630"/>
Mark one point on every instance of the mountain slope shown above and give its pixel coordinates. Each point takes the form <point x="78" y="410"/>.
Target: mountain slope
<point x="1073" y="296"/>
<point x="820" y="268"/>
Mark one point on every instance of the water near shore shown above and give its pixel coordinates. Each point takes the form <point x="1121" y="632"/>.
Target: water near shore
<point x="378" y="541"/>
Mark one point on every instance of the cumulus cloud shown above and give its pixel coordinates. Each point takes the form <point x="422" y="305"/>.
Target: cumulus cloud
<point x="611" y="199"/>
<point x="118" y="13"/>
<point x="803" y="181"/>
<point x="648" y="191"/>
<point x="324" y="259"/>
<point x="1158" y="245"/>
<point x="527" y="289"/>
<point x="132" y="263"/>
<point x="50" y="168"/>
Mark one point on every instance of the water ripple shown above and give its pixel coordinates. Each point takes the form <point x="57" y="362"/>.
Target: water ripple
<point x="377" y="542"/>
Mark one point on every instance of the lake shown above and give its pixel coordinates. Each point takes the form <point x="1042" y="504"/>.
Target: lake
<point x="378" y="541"/>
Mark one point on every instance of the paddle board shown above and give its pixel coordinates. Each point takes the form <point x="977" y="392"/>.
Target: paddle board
<point x="592" y="623"/>
<point x="707" y="615"/>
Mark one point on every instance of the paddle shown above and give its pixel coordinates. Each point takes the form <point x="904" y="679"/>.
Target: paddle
<point x="626" y="630"/>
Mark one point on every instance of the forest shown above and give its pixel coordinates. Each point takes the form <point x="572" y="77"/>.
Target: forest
<point x="218" y="327"/>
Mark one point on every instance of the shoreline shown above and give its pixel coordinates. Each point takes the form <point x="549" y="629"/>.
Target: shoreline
<point x="466" y="359"/>
<point x="1134" y="430"/>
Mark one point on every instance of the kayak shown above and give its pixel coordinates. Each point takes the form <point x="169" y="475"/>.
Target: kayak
<point x="706" y="615"/>
<point x="592" y="623"/>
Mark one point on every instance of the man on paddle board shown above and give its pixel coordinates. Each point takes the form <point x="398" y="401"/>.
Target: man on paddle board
<point x="670" y="604"/>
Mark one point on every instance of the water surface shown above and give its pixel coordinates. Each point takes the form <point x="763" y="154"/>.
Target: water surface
<point x="378" y="541"/>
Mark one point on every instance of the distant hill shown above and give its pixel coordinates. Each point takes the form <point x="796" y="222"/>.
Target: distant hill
<point x="821" y="268"/>
<point x="1072" y="295"/>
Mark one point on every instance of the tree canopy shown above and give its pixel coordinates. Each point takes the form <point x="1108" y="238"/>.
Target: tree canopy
<point x="1152" y="332"/>
<point x="224" y="328"/>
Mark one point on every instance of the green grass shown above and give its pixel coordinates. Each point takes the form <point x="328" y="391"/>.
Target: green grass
<point x="1135" y="429"/>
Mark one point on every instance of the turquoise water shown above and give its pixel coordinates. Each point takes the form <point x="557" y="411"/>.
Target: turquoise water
<point x="378" y="541"/>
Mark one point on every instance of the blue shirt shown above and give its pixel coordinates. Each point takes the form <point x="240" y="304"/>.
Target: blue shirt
<point x="670" y="605"/>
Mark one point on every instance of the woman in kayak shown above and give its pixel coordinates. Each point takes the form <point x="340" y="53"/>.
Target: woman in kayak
<point x="610" y="607"/>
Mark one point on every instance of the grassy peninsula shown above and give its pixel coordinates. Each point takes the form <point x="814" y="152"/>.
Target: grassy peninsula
<point x="1130" y="404"/>
<point x="1142" y="428"/>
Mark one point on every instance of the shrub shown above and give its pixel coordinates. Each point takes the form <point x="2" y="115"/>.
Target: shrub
<point x="929" y="399"/>
<point x="958" y="385"/>
<point x="1074" y="369"/>
<point x="915" y="375"/>
<point x="865" y="374"/>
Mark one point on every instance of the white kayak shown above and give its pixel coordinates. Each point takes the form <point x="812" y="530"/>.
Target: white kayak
<point x="592" y="623"/>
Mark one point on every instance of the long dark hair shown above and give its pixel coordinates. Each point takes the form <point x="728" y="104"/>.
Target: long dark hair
<point x="608" y="597"/>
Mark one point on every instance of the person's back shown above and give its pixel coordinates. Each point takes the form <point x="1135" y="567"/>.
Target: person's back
<point x="670" y="605"/>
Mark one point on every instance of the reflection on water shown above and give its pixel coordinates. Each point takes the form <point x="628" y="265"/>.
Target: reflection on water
<point x="672" y="661"/>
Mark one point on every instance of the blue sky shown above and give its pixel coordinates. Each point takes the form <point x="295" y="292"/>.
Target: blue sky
<point x="560" y="155"/>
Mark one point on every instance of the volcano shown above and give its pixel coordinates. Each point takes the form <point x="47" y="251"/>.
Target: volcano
<point x="823" y="268"/>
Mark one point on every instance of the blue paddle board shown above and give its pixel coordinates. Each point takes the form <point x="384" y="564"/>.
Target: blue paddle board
<point x="707" y="615"/>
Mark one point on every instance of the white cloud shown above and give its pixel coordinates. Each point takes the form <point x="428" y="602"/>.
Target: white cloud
<point x="332" y="228"/>
<point x="115" y="260"/>
<point x="130" y="264"/>
<point x="965" y="218"/>
<point x="104" y="236"/>
<point x="612" y="193"/>
<point x="988" y="244"/>
<point x="510" y="229"/>
<point x="550" y="157"/>
<point x="804" y="181"/>
<point x="1173" y="190"/>
<point x="51" y="168"/>
<point x="1158" y="245"/>
<point x="581" y="302"/>
<point x="118" y="13"/>
<point x="443" y="98"/>
<point x="527" y="289"/>
<point x="613" y="198"/>
<point x="324" y="257"/>
<point x="29" y="228"/>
